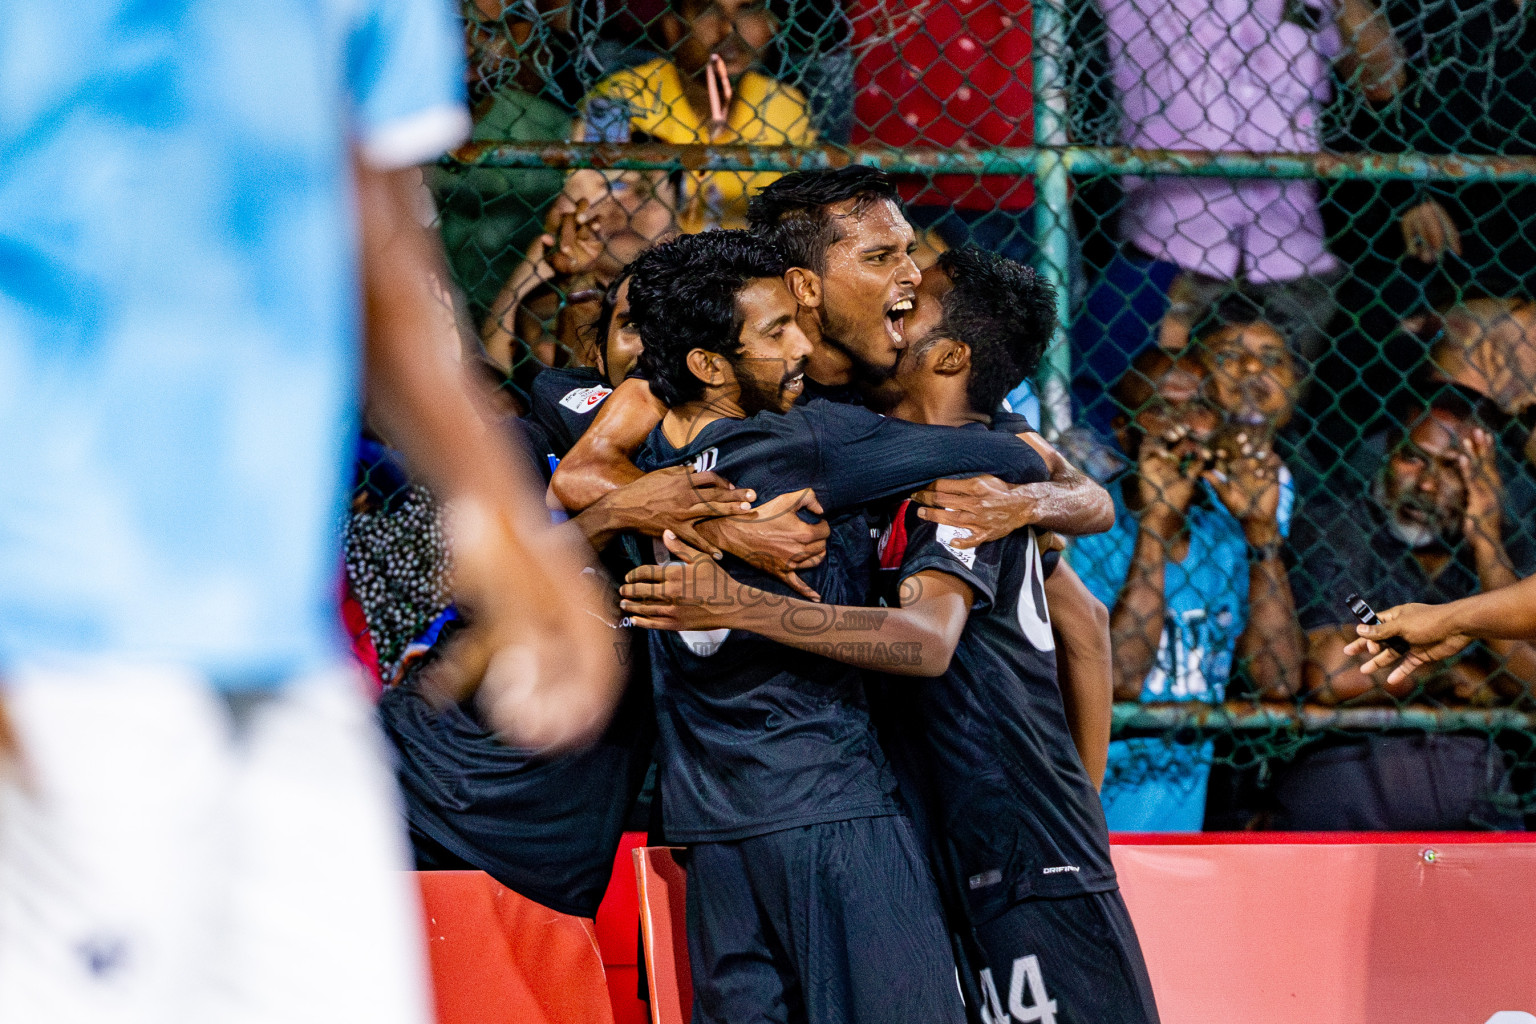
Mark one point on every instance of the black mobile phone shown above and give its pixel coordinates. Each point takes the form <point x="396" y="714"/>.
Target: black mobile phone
<point x="1367" y="616"/>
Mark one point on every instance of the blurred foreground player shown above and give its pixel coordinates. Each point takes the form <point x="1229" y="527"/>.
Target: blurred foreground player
<point x="1019" y="835"/>
<point x="809" y="897"/>
<point x="199" y="825"/>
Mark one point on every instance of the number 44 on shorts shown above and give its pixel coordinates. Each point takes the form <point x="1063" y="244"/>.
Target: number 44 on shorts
<point x="1025" y="983"/>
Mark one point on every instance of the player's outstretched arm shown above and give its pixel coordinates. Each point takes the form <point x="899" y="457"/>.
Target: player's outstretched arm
<point x="554" y="677"/>
<point x="1070" y="502"/>
<point x="1084" y="670"/>
<point x="917" y="639"/>
<point x="1439" y="631"/>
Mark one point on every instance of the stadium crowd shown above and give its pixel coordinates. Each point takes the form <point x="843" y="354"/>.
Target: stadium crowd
<point x="809" y="592"/>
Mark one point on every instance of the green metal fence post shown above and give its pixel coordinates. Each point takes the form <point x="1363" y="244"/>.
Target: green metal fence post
<point x="1053" y="206"/>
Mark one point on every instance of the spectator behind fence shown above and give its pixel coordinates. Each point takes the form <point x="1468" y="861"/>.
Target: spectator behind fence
<point x="1488" y="346"/>
<point x="706" y="92"/>
<point x="523" y="86"/>
<point x="1473" y="82"/>
<point x="954" y="74"/>
<point x="1430" y="527"/>
<point x="1255" y="381"/>
<point x="602" y="220"/>
<point x="551" y="299"/>
<point x="1193" y="577"/>
<point x="1235" y="76"/>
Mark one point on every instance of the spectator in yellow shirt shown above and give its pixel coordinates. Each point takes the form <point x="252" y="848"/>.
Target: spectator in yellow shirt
<point x="705" y="92"/>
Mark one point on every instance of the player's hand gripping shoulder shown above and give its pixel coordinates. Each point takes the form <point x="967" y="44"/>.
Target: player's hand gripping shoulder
<point x="695" y="593"/>
<point x="1070" y="502"/>
<point x="676" y="499"/>
<point x="774" y="539"/>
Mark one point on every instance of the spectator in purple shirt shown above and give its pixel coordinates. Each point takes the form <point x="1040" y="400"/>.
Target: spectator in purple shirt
<point x="1239" y="76"/>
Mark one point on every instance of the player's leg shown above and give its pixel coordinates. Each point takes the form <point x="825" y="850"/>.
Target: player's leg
<point x="855" y="906"/>
<point x="739" y="975"/>
<point x="1065" y="961"/>
<point x="324" y="922"/>
<point x="111" y="831"/>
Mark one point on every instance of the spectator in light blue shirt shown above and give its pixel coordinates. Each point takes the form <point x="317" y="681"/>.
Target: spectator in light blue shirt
<point x="1191" y="572"/>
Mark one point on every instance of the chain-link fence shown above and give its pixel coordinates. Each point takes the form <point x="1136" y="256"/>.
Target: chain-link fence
<point x="1294" y="241"/>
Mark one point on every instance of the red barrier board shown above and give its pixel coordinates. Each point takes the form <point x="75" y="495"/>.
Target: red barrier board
<point x="1257" y="928"/>
<point x="500" y="958"/>
<point x="618" y="936"/>
<point x="1407" y="929"/>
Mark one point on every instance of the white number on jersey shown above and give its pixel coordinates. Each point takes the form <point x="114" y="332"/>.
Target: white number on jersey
<point x="1034" y="616"/>
<point x="1026" y="980"/>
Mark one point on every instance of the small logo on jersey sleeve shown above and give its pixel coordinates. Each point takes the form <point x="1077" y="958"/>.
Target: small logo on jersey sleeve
<point x="584" y="400"/>
<point x="947" y="535"/>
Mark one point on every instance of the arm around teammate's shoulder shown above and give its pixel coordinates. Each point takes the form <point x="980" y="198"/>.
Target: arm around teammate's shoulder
<point x="917" y="639"/>
<point x="862" y="457"/>
<point x="603" y="459"/>
<point x="1070" y="502"/>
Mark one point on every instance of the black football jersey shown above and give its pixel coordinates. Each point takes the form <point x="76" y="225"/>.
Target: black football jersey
<point x="1012" y="810"/>
<point x="564" y="402"/>
<point x="754" y="736"/>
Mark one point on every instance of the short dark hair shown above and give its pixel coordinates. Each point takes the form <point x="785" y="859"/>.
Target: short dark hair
<point x="682" y="296"/>
<point x="1423" y="394"/>
<point x="793" y="211"/>
<point x="1004" y="312"/>
<point x="1235" y="309"/>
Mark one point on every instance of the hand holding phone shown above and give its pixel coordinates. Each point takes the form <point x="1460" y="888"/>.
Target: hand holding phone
<point x="1367" y="617"/>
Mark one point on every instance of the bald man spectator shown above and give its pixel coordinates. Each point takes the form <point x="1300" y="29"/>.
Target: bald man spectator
<point x="1488" y="346"/>
<point x="1430" y="527"/>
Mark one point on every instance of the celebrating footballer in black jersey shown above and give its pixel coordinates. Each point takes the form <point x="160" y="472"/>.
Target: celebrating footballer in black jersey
<point x="770" y="767"/>
<point x="1017" y="832"/>
<point x="730" y="426"/>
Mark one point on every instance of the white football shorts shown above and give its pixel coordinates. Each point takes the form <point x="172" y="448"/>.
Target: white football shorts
<point x="169" y="854"/>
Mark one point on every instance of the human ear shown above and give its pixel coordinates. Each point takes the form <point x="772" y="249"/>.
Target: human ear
<point x="951" y="357"/>
<point x="709" y="367"/>
<point x="804" y="285"/>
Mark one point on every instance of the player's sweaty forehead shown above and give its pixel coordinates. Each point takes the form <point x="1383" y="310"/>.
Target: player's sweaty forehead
<point x="766" y="305"/>
<point x="867" y="231"/>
